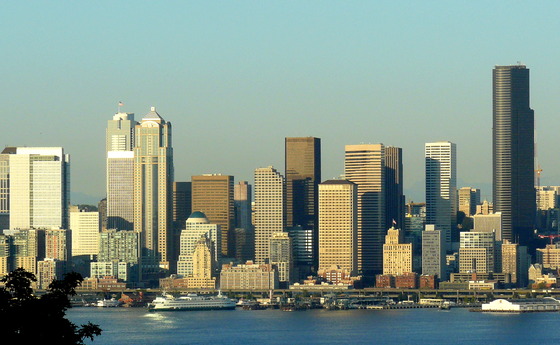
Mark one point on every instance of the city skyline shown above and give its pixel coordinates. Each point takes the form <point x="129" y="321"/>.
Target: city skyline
<point x="274" y="71"/>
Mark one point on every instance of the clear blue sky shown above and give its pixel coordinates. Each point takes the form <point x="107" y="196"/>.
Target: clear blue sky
<point x="236" y="77"/>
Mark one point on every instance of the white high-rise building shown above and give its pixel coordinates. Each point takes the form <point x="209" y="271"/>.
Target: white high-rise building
<point x="269" y="210"/>
<point x="85" y="228"/>
<point x="120" y="171"/>
<point x="39" y="188"/>
<point x="441" y="187"/>
<point x="364" y="165"/>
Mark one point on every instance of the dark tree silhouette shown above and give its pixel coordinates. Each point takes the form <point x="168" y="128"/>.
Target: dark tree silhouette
<point x="27" y="318"/>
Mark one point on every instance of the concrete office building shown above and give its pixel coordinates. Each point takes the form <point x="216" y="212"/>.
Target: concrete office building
<point x="441" y="187"/>
<point x="338" y="225"/>
<point x="433" y="253"/>
<point x="549" y="257"/>
<point x="280" y="251"/>
<point x="212" y="194"/>
<point x="5" y="254"/>
<point x="39" y="188"/>
<point x="28" y="247"/>
<point x="489" y="223"/>
<point x="397" y="256"/>
<point x="119" y="253"/>
<point x="511" y="260"/>
<point x="153" y="181"/>
<point x="468" y="198"/>
<point x="477" y="252"/>
<point x="120" y="171"/>
<point x="85" y="227"/>
<point x="249" y="276"/>
<point x="513" y="145"/>
<point x="197" y="226"/>
<point x="5" y="187"/>
<point x="269" y="210"/>
<point x="364" y="165"/>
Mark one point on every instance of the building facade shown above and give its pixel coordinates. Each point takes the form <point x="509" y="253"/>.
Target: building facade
<point x="39" y="188"/>
<point x="513" y="145"/>
<point x="269" y="216"/>
<point x="303" y="175"/>
<point x="364" y="164"/>
<point x="120" y="171"/>
<point x="85" y="227"/>
<point x="397" y="256"/>
<point x="433" y="253"/>
<point x="153" y="181"/>
<point x="338" y="225"/>
<point x="441" y="187"/>
<point x="212" y="194"/>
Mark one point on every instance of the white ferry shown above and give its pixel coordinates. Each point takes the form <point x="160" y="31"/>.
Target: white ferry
<point x="108" y="303"/>
<point x="191" y="302"/>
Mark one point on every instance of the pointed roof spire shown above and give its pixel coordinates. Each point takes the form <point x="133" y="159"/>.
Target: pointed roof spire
<point x="152" y="116"/>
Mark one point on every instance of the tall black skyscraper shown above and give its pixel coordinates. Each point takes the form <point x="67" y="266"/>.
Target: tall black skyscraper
<point x="303" y="175"/>
<point x="394" y="197"/>
<point x="513" y="146"/>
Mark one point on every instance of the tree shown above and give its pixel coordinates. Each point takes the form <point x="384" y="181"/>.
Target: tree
<point x="32" y="319"/>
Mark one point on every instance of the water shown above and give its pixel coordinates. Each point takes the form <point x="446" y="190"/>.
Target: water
<point x="410" y="326"/>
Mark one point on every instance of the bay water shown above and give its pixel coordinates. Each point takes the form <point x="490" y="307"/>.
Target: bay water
<point x="318" y="326"/>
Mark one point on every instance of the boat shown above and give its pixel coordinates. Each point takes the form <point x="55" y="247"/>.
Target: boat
<point x="167" y="302"/>
<point x="108" y="303"/>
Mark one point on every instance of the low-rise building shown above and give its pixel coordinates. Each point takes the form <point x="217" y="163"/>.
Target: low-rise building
<point x="249" y="276"/>
<point x="522" y="305"/>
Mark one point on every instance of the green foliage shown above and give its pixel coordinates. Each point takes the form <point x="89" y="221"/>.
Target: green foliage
<point x="29" y="319"/>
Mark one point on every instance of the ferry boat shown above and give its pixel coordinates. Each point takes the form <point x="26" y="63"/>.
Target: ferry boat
<point x="108" y="303"/>
<point x="191" y="302"/>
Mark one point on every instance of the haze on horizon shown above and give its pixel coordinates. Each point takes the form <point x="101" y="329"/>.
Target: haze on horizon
<point x="236" y="78"/>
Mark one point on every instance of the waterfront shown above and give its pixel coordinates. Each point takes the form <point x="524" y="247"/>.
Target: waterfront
<point x="418" y="326"/>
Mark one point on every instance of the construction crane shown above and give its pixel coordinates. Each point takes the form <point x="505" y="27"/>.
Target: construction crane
<point x="552" y="237"/>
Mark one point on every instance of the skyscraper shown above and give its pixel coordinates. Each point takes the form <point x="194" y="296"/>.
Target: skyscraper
<point x="244" y="236"/>
<point x="364" y="165"/>
<point x="303" y="174"/>
<point x="120" y="171"/>
<point x="153" y="179"/>
<point x="394" y="196"/>
<point x="269" y="210"/>
<point x="441" y="187"/>
<point x="433" y="253"/>
<point x="212" y="194"/>
<point x="513" y="145"/>
<point x="338" y="225"/>
<point x="469" y="198"/>
<point x="39" y="188"/>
